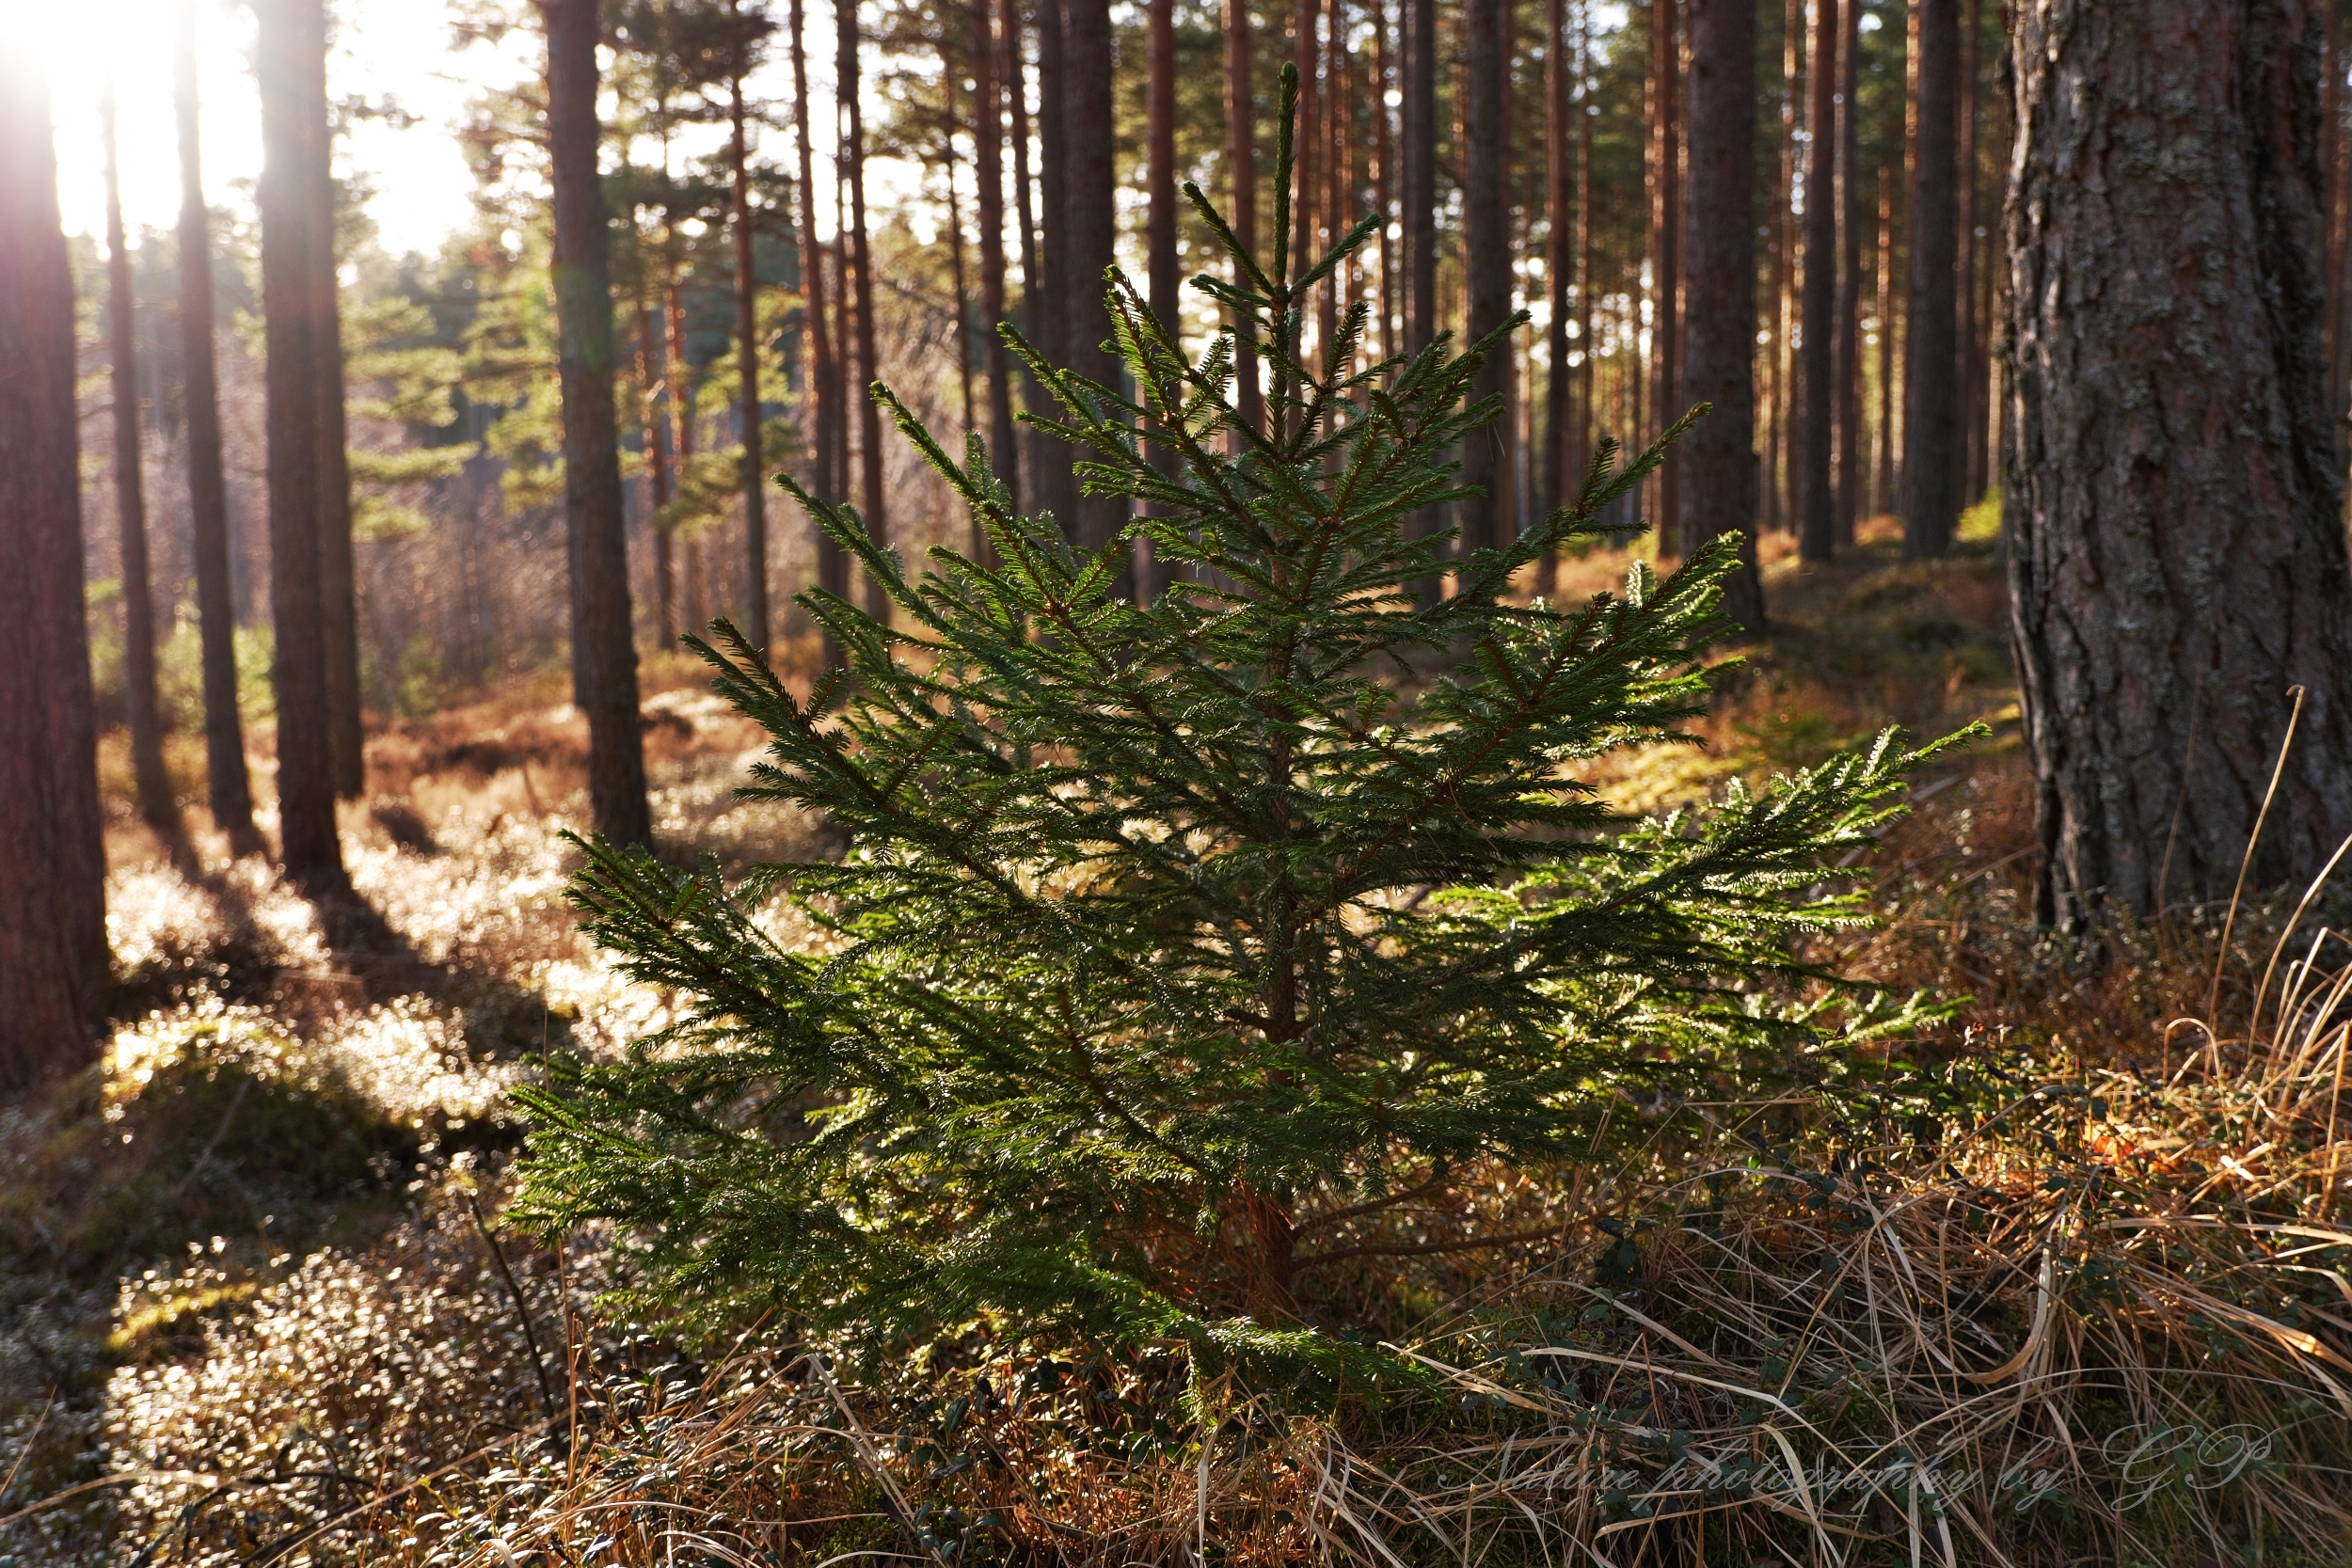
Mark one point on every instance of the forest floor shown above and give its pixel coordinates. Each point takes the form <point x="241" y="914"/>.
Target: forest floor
<point x="2056" y="1282"/>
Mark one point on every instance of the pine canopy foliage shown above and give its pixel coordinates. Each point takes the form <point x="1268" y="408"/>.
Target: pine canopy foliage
<point x="1176" y="937"/>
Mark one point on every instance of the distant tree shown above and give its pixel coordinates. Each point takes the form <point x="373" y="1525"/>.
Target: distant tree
<point x="1816" y="497"/>
<point x="1045" y="313"/>
<point x="1846" y="351"/>
<point x="2177" y="558"/>
<point x="1718" y="475"/>
<point x="988" y="144"/>
<point x="1241" y="157"/>
<point x="53" y="864"/>
<point x="749" y="27"/>
<point x="1489" y="521"/>
<point x="229" y="789"/>
<point x="860" y="257"/>
<point x="1930" y="345"/>
<point x="1160" y="239"/>
<point x="1665" y="249"/>
<point x="338" y="587"/>
<point x="604" y="657"/>
<point x="142" y="711"/>
<point x="1091" y="219"/>
<point x="824" y="379"/>
<point x="290" y="48"/>
<point x="1177" y="937"/>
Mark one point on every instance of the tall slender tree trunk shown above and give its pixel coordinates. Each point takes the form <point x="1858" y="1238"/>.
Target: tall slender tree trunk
<point x="1033" y="271"/>
<point x="1305" y="55"/>
<point x="1972" y="325"/>
<point x="1160" y="240"/>
<point x="1848" y="348"/>
<point x="987" y="146"/>
<point x="1487" y="521"/>
<point x="1559" y="252"/>
<point x="958" y="275"/>
<point x="141" y="709"/>
<point x="1384" y="175"/>
<point x="1931" y="349"/>
<point x="2178" y="557"/>
<point x="604" y="656"/>
<point x="1088" y="219"/>
<point x="870" y="448"/>
<point x="1666" y="240"/>
<point x="1241" y="155"/>
<point x="1883" y="472"/>
<point x="1787" y="413"/>
<point x="754" y="477"/>
<point x="1719" y="454"/>
<point x="287" y="52"/>
<point x="339" y="582"/>
<point x="228" y="789"/>
<point x="1419" y="132"/>
<point x="2339" y="256"/>
<point x="1817" y="536"/>
<point x="1049" y="326"/>
<point x="825" y="478"/>
<point x="651" y="373"/>
<point x="53" y="862"/>
<point x="1589" y="319"/>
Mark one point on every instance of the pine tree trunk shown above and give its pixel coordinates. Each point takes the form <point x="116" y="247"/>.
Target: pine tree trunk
<point x="286" y="54"/>
<point x="1089" y="221"/>
<point x="1559" y="254"/>
<point x="833" y="565"/>
<point x="1788" y="412"/>
<point x="339" y="581"/>
<point x="1419" y="134"/>
<point x="1241" y="153"/>
<point x="142" y="711"/>
<point x="2178" y="561"/>
<point x="53" y="864"/>
<point x="228" y="789"/>
<point x="862" y="256"/>
<point x="957" y="272"/>
<point x="1719" y="454"/>
<point x="1049" y="297"/>
<point x="1487" y="523"/>
<point x="604" y="656"/>
<point x="1304" y="198"/>
<point x="755" y="478"/>
<point x="650" y="372"/>
<point x="1160" y="239"/>
<point x="1666" y="242"/>
<point x="1883" y="471"/>
<point x="1384" y="177"/>
<point x="988" y="142"/>
<point x="1968" y="455"/>
<point x="1589" y="319"/>
<point x="1847" y="349"/>
<point x="1817" y="528"/>
<point x="1931" y="390"/>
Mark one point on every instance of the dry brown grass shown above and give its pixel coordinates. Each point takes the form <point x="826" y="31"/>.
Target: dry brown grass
<point x="2008" y="1293"/>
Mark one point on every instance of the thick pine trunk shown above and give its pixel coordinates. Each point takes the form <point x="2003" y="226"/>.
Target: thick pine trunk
<point x="228" y="787"/>
<point x="1719" y="493"/>
<point x="141" y="709"/>
<point x="1487" y="521"/>
<point x="1817" y="526"/>
<point x="1930" y="388"/>
<point x="870" y="448"/>
<point x="53" y="865"/>
<point x="2178" y="558"/>
<point x="833" y="565"/>
<point x="604" y="657"/>
<point x="988" y="143"/>
<point x="754" y="477"/>
<point x="286" y="55"/>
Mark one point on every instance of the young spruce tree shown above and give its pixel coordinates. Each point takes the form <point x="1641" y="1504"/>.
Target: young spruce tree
<point x="1171" y="936"/>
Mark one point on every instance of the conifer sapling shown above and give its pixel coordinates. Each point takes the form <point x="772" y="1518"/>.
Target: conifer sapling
<point x="1172" y="935"/>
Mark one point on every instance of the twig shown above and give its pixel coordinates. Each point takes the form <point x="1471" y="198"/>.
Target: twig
<point x="522" y="1309"/>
